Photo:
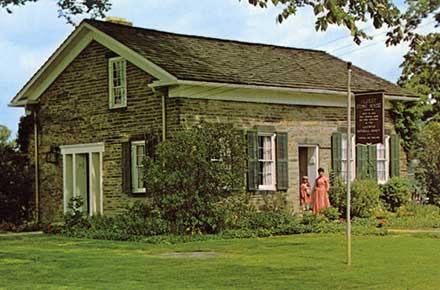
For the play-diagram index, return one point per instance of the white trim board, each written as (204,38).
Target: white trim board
(56,63)
(90,150)
(69,50)
(82,148)
(264,95)
(130,55)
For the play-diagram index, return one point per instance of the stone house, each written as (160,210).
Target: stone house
(95,96)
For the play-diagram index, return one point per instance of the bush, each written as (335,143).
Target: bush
(397,192)
(331,213)
(192,173)
(74,218)
(338,194)
(137,220)
(365,198)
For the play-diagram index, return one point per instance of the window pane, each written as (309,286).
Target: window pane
(140,149)
(381,151)
(267,173)
(140,180)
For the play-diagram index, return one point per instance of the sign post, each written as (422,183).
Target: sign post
(349,165)
(369,115)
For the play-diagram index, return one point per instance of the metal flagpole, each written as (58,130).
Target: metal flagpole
(349,165)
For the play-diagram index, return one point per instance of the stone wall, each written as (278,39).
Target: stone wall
(75,110)
(304,124)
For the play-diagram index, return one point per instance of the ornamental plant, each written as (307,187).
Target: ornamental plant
(397,192)
(365,198)
(192,173)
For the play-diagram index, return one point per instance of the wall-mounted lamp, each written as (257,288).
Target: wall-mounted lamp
(53,154)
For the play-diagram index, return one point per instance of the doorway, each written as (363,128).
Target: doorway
(308,156)
(82,176)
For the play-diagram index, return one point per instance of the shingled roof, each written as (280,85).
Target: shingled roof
(226,61)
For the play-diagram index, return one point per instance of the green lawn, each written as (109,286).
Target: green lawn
(291,262)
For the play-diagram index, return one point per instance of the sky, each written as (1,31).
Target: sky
(32,32)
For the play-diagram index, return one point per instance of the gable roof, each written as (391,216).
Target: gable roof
(171,57)
(217,60)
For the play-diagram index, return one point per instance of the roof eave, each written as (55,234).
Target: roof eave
(158,84)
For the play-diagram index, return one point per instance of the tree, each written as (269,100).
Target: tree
(428,171)
(421,71)
(15,182)
(68,8)
(349,13)
(420,74)
(5,133)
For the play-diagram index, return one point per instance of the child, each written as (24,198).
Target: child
(306,198)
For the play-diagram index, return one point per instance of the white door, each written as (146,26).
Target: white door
(312,163)
(82,175)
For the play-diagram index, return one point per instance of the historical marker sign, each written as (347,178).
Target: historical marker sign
(369,117)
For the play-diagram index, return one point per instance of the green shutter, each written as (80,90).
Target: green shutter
(361,161)
(336,153)
(395,155)
(282,161)
(372,162)
(126,167)
(252,170)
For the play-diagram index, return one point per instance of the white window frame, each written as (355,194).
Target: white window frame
(386,160)
(271,186)
(135,167)
(111,87)
(83,149)
(344,157)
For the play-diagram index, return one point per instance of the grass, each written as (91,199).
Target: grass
(290,262)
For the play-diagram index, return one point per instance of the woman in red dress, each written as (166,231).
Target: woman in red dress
(322,185)
(305,194)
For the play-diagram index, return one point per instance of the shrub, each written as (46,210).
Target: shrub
(365,198)
(331,213)
(397,192)
(74,219)
(192,173)
(137,220)
(338,194)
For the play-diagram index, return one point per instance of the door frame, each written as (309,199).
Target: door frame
(316,146)
(83,149)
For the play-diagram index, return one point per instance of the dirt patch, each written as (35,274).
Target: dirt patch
(189,255)
(414,231)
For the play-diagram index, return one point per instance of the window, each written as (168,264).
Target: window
(344,158)
(266,162)
(137,166)
(368,161)
(117,82)
(383,157)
